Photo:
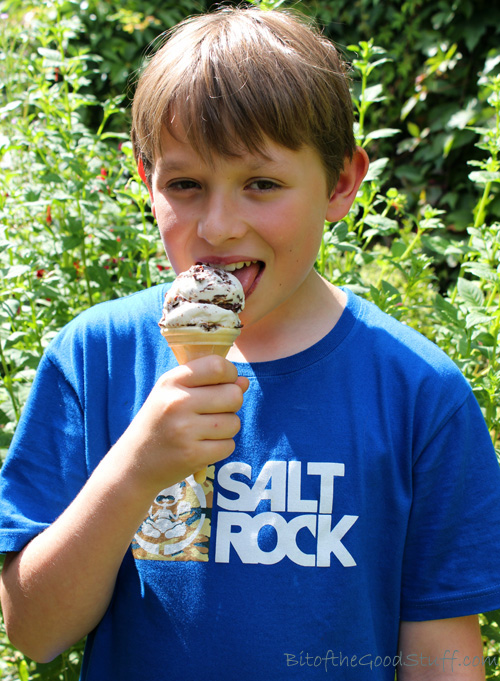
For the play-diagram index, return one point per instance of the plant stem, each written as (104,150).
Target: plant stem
(9,384)
(411,246)
(481,207)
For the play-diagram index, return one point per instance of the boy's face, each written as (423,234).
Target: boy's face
(261,217)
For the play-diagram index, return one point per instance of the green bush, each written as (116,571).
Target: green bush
(76,227)
(437,48)
(422,241)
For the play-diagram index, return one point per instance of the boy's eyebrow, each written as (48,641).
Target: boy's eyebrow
(177,165)
(170,166)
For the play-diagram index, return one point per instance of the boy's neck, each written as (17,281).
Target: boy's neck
(317,308)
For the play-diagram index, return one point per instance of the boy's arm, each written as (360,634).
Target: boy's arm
(441,650)
(58,587)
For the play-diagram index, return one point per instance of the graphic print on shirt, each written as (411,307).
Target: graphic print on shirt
(263,522)
(308,531)
(178,523)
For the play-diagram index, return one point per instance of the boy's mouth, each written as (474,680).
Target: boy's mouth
(248,272)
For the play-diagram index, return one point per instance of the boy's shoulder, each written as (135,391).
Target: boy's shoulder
(406,375)
(135,307)
(396,336)
(128,320)
(402,351)
(120,314)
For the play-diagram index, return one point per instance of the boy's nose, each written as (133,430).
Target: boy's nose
(220,221)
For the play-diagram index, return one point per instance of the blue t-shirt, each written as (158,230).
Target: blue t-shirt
(363,489)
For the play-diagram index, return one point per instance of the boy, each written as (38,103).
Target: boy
(342,528)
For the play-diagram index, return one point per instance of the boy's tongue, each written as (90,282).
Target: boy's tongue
(247,275)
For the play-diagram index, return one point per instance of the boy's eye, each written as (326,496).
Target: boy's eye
(182,185)
(263,185)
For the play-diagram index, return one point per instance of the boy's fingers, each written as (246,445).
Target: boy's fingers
(219,399)
(210,370)
(218,427)
(216,450)
(243,382)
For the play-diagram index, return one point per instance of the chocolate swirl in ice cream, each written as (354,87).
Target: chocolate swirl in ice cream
(205,297)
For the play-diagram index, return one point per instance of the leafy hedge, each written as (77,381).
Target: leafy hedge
(437,50)
(422,241)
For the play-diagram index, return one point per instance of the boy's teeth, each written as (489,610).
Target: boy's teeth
(235,265)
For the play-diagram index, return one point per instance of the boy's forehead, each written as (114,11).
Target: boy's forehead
(176,152)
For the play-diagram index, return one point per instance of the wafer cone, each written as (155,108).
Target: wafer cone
(188,342)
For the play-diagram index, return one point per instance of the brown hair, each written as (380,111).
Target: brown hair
(238,75)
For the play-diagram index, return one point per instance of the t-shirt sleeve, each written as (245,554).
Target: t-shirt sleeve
(450,565)
(46,465)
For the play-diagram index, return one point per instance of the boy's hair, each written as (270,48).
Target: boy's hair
(233,77)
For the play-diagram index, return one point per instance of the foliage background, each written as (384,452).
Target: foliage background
(422,241)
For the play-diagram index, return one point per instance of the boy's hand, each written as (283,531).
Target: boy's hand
(188,422)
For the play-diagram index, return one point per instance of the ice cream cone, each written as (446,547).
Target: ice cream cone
(187,343)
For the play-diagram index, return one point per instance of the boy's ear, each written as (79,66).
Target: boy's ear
(142,175)
(342,197)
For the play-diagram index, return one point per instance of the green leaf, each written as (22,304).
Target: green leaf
(11,106)
(446,311)
(376,169)
(398,248)
(436,243)
(22,668)
(492,632)
(10,305)
(484,176)
(46,52)
(343,246)
(383,132)
(72,241)
(460,119)
(491,63)
(52,177)
(390,290)
(115,135)
(486,338)
(409,106)
(470,293)
(17,271)
(373,93)
(53,57)
(413,129)
(99,275)
(477,318)
(382,224)
(378,62)
(15,337)
(482,271)
(339,232)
